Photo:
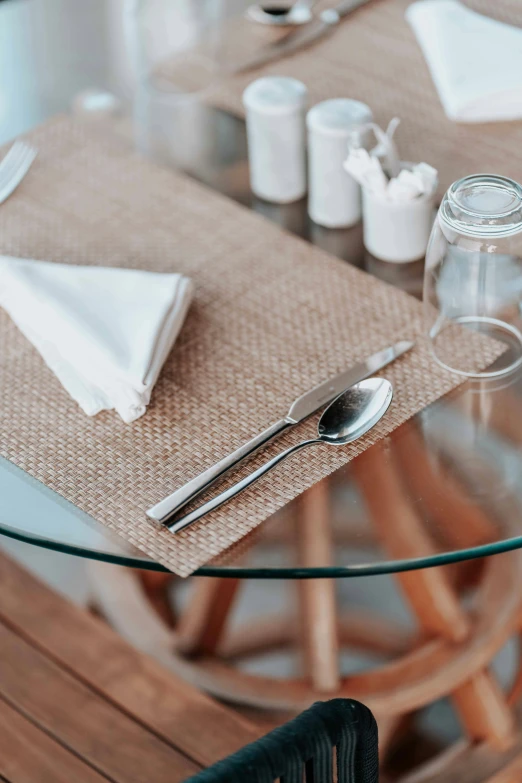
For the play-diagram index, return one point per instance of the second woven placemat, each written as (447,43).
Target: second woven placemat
(272,317)
(373,56)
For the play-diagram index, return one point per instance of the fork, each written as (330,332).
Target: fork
(14,167)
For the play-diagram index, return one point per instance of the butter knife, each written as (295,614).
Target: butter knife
(300,409)
(305,36)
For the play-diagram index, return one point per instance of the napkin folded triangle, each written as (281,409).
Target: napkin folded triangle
(475,61)
(104,332)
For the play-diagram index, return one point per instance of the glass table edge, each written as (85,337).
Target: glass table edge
(322,572)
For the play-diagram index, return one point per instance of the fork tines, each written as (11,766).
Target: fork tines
(14,167)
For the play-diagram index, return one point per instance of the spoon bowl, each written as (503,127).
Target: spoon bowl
(355,411)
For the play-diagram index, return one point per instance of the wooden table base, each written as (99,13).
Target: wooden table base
(449,655)
(391,691)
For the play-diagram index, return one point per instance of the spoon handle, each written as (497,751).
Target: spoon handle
(234,490)
(172,504)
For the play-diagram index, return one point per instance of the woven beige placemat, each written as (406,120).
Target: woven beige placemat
(373,56)
(272,316)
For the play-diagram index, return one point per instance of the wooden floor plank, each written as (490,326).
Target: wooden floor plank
(28,755)
(81,720)
(200,727)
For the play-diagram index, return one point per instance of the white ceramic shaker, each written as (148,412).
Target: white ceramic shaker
(334,199)
(275,118)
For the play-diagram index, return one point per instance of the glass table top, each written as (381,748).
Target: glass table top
(445,487)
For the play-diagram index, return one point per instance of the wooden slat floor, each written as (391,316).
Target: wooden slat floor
(79,705)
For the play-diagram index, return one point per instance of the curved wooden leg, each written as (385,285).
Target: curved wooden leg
(444,498)
(494,720)
(356,630)
(500,412)
(429,591)
(318,609)
(156,586)
(202,623)
(441,493)
(483,709)
(515,694)
(511,774)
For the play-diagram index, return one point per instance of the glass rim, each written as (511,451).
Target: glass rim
(486,373)
(166,91)
(462,217)
(276,572)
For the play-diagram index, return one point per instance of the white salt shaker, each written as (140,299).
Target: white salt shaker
(275,118)
(397,231)
(334,199)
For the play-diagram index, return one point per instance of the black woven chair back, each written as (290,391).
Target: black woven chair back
(303,750)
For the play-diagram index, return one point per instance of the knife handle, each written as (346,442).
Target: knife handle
(170,505)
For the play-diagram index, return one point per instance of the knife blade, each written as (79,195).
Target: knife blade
(300,409)
(303,37)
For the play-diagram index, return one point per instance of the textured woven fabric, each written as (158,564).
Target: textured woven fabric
(304,746)
(373,56)
(272,316)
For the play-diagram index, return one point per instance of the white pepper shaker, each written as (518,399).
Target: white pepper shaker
(275,118)
(334,199)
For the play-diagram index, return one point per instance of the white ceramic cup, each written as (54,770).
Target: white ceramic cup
(397,231)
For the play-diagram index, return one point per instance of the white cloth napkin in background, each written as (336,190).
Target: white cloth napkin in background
(105,333)
(475,61)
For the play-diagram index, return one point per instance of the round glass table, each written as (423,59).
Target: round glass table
(444,489)
(448,482)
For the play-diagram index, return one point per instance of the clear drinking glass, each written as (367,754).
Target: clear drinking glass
(473,276)
(181,50)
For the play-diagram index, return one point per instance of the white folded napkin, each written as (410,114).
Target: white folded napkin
(104,332)
(475,61)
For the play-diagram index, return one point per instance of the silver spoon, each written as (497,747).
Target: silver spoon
(281,15)
(347,418)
